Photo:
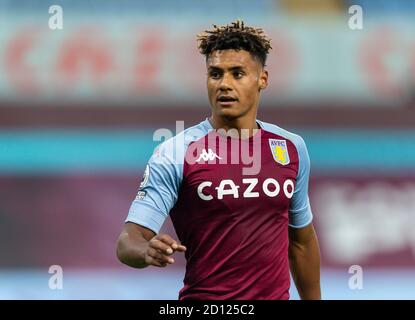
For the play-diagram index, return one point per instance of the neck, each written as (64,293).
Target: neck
(245,126)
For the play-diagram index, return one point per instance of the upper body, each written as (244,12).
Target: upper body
(237,197)
(234,226)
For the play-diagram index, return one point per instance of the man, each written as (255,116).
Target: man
(241,231)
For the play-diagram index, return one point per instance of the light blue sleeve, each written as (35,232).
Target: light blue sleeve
(158,190)
(300,214)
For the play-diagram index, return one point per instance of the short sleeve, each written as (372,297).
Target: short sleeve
(158,190)
(300,214)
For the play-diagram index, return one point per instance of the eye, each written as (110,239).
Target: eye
(214,74)
(238,74)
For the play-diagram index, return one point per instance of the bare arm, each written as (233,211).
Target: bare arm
(139,247)
(304,256)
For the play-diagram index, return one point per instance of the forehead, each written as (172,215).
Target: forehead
(231,58)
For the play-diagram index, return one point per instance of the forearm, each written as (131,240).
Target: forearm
(131,250)
(305,268)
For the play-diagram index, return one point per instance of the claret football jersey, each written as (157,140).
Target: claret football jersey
(231,202)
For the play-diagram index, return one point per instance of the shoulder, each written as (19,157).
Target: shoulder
(175,147)
(296,139)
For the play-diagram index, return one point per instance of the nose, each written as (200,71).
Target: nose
(226,83)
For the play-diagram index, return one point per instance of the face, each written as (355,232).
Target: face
(234,81)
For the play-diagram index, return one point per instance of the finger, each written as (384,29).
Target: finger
(154,262)
(159,245)
(167,240)
(181,248)
(176,245)
(159,256)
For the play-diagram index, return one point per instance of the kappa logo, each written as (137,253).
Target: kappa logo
(208,155)
(279,151)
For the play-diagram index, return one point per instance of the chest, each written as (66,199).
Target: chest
(258,177)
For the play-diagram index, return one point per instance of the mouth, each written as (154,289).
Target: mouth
(226,100)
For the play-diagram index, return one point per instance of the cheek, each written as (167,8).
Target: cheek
(249,93)
(210,89)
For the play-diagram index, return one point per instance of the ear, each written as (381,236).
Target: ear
(263,79)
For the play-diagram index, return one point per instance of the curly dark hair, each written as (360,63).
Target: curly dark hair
(235,36)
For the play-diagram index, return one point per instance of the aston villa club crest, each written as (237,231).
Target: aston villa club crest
(279,151)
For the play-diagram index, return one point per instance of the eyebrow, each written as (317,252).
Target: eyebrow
(221,69)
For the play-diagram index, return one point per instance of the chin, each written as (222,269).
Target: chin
(230,114)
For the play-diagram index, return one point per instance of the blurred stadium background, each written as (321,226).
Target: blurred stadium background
(79,106)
